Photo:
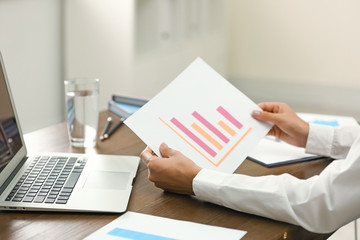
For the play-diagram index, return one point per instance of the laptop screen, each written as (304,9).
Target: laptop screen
(10,140)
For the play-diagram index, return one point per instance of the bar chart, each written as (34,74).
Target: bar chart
(204,117)
(214,139)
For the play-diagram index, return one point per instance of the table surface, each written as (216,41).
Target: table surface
(145,197)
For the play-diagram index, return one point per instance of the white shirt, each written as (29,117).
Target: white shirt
(322,203)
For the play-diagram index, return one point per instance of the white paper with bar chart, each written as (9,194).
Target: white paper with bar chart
(203,116)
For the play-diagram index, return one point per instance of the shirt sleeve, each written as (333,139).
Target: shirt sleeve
(330,141)
(321,203)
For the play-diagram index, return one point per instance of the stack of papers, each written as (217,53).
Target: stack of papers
(124,106)
(271,152)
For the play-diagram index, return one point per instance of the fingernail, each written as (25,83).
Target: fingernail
(256,113)
(164,145)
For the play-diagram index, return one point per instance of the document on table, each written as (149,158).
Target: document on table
(272,152)
(137,226)
(203,116)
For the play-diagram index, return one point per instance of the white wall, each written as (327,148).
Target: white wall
(137,47)
(169,35)
(99,43)
(30,42)
(304,52)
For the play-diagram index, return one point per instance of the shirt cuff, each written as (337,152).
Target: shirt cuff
(320,140)
(206,185)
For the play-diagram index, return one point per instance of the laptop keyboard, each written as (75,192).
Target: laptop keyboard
(48,180)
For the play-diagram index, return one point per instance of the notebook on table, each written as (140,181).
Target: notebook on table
(57,181)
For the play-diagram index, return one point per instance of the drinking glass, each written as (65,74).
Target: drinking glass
(82,110)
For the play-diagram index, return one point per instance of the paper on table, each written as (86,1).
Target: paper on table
(138,226)
(272,152)
(203,116)
(330,120)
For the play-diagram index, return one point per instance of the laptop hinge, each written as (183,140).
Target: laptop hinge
(12,175)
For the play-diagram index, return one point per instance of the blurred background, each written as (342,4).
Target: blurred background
(303,52)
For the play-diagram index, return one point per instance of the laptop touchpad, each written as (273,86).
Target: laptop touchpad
(107,180)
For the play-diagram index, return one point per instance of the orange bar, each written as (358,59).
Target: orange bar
(186,141)
(222,159)
(207,136)
(227,128)
(233,147)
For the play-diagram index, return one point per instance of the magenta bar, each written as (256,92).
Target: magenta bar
(193,137)
(229,117)
(210,127)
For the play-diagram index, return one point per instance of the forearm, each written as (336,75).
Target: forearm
(319,204)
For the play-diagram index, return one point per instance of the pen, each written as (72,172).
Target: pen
(108,134)
(106,128)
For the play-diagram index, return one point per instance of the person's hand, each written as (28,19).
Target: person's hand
(287,125)
(173,172)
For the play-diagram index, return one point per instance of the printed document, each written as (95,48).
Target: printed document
(138,226)
(203,116)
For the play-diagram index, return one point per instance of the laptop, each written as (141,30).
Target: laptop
(57,181)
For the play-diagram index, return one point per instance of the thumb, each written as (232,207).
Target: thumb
(265,116)
(166,151)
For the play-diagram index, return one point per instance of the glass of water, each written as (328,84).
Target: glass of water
(82,110)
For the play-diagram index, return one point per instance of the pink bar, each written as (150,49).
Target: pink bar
(229,117)
(210,127)
(193,137)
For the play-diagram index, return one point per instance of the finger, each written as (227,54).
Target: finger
(166,151)
(273,107)
(146,155)
(265,116)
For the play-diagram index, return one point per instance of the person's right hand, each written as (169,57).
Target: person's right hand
(172,172)
(287,127)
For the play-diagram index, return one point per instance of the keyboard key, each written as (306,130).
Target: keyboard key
(72,180)
(39,199)
(11,195)
(53,196)
(45,190)
(61,201)
(33,194)
(50,200)
(63,198)
(67,194)
(24,189)
(67,190)
(28,199)
(54,193)
(19,195)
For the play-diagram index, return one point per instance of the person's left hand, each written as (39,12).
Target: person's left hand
(173,172)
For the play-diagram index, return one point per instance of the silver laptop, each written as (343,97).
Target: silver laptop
(57,181)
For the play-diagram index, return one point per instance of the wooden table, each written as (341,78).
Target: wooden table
(146,198)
